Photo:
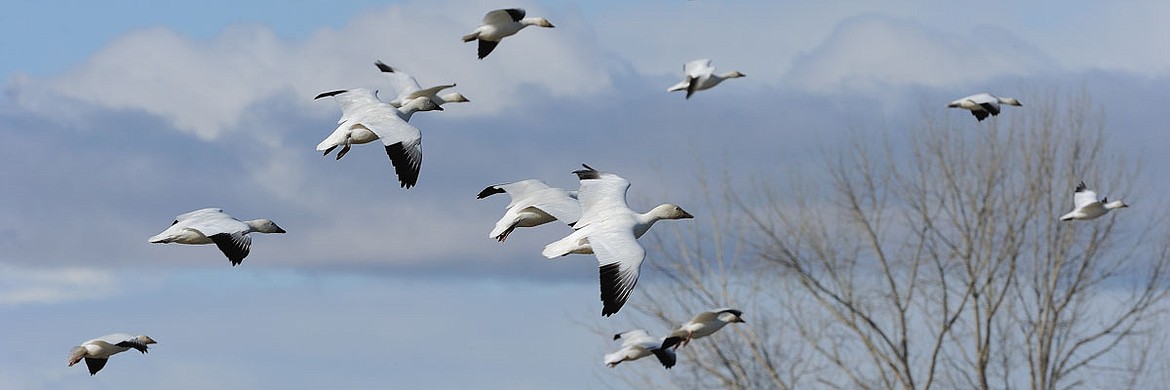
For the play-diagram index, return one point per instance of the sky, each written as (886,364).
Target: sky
(116,116)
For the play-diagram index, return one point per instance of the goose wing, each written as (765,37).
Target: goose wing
(502,16)
(619,257)
(601,195)
(403,144)
(698,68)
(1083,197)
(404,84)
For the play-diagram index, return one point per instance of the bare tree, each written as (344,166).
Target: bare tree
(933,261)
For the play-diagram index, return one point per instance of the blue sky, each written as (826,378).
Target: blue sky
(117,116)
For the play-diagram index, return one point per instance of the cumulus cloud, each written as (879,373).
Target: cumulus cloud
(207,87)
(868,53)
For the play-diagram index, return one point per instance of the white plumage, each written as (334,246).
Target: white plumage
(700,75)
(97,351)
(409,89)
(983,104)
(364,119)
(213,226)
(533,203)
(702,325)
(499,24)
(1086,206)
(637,344)
(609,229)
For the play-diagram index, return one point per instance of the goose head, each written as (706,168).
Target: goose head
(1117,204)
(733,75)
(146,340)
(455,97)
(264,226)
(732,316)
(670,211)
(542,22)
(1010,102)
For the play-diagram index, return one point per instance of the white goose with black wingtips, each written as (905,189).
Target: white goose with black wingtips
(499,24)
(637,344)
(700,75)
(702,325)
(1086,206)
(409,89)
(96,352)
(610,230)
(364,119)
(534,203)
(983,104)
(213,226)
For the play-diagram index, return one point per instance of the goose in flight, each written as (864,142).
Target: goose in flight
(983,104)
(364,119)
(534,203)
(637,344)
(700,75)
(610,230)
(97,351)
(499,24)
(704,324)
(1086,206)
(213,226)
(409,89)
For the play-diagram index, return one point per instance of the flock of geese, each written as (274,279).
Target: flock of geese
(602,223)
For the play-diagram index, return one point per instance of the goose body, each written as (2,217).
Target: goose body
(1086,206)
(983,104)
(364,119)
(637,344)
(534,203)
(699,75)
(610,230)
(213,226)
(499,24)
(702,325)
(96,352)
(409,89)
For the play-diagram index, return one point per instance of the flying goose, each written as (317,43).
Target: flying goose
(499,24)
(983,104)
(609,229)
(364,119)
(409,89)
(637,344)
(1086,206)
(704,324)
(533,203)
(212,225)
(700,75)
(97,351)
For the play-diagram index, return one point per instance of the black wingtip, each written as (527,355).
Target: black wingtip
(613,297)
(330,93)
(1081,187)
(383,67)
(665,357)
(671,341)
(587,173)
(489,191)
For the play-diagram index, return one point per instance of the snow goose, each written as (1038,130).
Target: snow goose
(700,75)
(983,104)
(610,230)
(409,89)
(1086,206)
(637,344)
(212,225)
(499,24)
(534,203)
(97,351)
(704,324)
(364,119)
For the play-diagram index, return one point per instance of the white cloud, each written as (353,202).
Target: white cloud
(28,285)
(868,53)
(207,87)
